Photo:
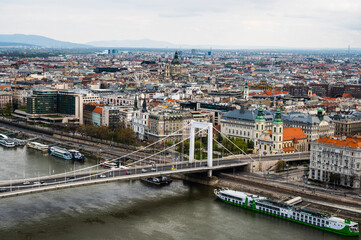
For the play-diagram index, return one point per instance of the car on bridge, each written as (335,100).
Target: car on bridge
(26,183)
(3,190)
(173,169)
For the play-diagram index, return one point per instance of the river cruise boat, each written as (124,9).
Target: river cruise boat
(60,152)
(282,210)
(38,146)
(77,155)
(7,143)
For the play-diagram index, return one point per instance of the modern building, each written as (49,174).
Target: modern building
(336,160)
(43,101)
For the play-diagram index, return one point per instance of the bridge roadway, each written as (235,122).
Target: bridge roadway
(61,181)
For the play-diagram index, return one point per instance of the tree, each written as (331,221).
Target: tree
(8,109)
(280,165)
(250,144)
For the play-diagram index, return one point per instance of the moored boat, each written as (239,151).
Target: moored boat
(157,180)
(38,146)
(7,143)
(60,152)
(77,155)
(288,212)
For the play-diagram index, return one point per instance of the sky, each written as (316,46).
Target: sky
(241,23)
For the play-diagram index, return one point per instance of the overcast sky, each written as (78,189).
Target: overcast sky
(252,23)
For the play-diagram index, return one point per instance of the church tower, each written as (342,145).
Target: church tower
(277,132)
(246,91)
(260,127)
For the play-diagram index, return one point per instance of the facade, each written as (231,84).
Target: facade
(314,127)
(140,121)
(337,160)
(164,124)
(277,140)
(5,98)
(348,125)
(42,101)
(242,123)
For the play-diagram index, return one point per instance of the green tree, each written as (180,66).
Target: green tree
(250,144)
(8,109)
(280,165)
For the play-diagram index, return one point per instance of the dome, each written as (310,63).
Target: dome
(176,59)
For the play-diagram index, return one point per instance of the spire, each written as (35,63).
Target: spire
(135,103)
(260,116)
(246,85)
(278,118)
(144,106)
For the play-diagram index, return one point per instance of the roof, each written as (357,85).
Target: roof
(289,149)
(293,133)
(247,115)
(98,110)
(342,141)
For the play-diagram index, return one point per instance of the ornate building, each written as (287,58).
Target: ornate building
(170,70)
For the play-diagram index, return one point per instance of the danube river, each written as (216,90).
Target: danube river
(128,210)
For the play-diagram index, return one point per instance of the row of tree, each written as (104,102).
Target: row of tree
(120,135)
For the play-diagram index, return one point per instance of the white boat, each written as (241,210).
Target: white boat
(109,164)
(7,143)
(60,152)
(288,212)
(38,146)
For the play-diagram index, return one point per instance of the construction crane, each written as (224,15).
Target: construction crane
(15,102)
(43,67)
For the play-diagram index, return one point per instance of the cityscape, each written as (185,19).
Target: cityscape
(181,133)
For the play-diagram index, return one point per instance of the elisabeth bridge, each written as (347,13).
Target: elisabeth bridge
(145,166)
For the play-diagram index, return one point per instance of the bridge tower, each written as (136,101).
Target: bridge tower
(209,128)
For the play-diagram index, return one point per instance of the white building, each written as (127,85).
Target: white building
(336,160)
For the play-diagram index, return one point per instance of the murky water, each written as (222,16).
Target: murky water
(129,210)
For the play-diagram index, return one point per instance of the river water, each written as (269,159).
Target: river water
(128,210)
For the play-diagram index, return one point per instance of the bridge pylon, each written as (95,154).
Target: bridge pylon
(209,127)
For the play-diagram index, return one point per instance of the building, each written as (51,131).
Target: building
(140,121)
(348,125)
(277,140)
(163,124)
(336,159)
(170,70)
(242,123)
(5,98)
(43,101)
(313,126)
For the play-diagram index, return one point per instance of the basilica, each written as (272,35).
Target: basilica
(170,71)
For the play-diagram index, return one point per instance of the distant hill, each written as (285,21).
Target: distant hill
(14,44)
(142,43)
(38,41)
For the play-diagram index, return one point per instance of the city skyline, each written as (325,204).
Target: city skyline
(247,24)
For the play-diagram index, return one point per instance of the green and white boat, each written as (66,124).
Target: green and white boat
(282,210)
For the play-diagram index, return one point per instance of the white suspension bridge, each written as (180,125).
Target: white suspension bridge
(145,167)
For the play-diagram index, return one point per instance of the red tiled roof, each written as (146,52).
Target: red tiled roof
(293,133)
(352,142)
(98,110)
(289,149)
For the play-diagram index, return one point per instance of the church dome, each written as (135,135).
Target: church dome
(176,59)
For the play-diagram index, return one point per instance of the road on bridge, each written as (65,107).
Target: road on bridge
(53,182)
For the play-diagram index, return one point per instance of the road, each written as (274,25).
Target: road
(11,188)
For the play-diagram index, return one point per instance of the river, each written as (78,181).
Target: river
(128,210)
